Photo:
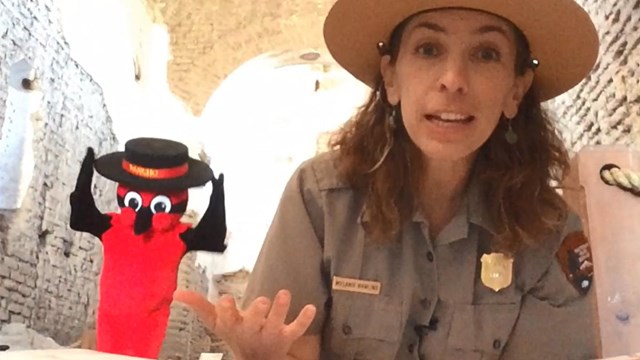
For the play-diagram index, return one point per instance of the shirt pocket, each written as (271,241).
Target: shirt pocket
(480,332)
(376,317)
(370,329)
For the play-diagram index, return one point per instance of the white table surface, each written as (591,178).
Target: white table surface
(77,354)
(62,354)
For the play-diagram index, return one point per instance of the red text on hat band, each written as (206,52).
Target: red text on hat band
(151,173)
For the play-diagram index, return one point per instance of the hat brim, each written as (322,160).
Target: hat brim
(110,166)
(561,35)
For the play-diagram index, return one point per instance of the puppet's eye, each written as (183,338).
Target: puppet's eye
(160,204)
(133,200)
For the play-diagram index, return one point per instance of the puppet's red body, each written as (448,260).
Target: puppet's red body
(138,279)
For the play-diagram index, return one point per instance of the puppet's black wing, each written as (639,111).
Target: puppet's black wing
(211,231)
(85,216)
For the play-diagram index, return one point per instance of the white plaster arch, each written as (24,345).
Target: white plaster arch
(260,124)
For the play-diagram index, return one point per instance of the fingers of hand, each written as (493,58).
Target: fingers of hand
(298,326)
(255,315)
(279,309)
(259,308)
(228,316)
(205,310)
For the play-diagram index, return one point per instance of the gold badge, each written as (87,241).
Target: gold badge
(496,273)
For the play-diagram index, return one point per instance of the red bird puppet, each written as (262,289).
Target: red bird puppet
(144,243)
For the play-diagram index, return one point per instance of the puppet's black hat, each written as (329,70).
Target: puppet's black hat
(154,164)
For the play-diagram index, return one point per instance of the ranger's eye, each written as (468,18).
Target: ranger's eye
(133,200)
(160,204)
(429,50)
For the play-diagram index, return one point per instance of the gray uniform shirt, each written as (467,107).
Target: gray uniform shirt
(431,302)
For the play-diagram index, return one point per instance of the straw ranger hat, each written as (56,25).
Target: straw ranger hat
(561,35)
(154,164)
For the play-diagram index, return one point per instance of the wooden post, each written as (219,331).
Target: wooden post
(611,217)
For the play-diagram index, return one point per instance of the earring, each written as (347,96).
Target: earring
(383,49)
(510,135)
(534,63)
(390,128)
(391,118)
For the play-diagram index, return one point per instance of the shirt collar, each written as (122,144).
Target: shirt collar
(473,210)
(478,209)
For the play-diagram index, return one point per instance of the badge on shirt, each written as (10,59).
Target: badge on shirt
(574,256)
(496,271)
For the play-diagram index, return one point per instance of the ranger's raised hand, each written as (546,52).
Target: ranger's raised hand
(258,332)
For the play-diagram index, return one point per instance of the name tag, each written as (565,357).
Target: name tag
(356,285)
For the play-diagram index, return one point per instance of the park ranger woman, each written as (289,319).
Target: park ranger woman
(432,230)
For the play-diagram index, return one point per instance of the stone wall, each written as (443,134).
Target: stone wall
(605,108)
(48,272)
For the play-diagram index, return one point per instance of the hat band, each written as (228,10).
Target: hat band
(151,173)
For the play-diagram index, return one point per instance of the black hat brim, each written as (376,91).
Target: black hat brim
(110,166)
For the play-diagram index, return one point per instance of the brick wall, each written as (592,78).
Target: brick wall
(605,108)
(47,272)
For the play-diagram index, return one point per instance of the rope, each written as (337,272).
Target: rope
(625,179)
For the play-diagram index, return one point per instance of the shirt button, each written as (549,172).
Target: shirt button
(430,256)
(411,348)
(328,304)
(421,330)
(346,329)
(497,344)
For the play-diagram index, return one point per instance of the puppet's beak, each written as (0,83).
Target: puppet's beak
(143,221)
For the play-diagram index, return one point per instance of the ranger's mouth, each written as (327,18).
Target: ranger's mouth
(450,118)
